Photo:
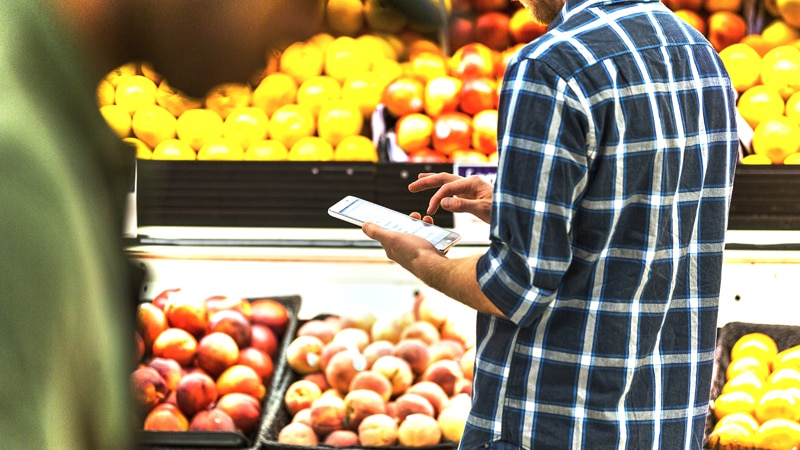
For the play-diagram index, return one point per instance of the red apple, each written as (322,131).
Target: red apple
(212,420)
(478,94)
(264,339)
(169,369)
(473,60)
(233,323)
(271,313)
(243,379)
(245,410)
(222,302)
(177,344)
(404,95)
(427,155)
(725,28)
(148,388)
(492,30)
(165,417)
(452,131)
(216,352)
(188,313)
(195,392)
(259,361)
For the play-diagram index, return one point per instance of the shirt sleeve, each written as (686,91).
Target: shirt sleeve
(544,133)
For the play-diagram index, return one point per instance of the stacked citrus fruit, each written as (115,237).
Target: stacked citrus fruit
(759,404)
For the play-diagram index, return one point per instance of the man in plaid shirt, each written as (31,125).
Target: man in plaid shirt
(597,298)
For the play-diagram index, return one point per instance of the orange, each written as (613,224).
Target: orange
(780,69)
(266,150)
(784,378)
(731,435)
(174,149)
(275,90)
(778,434)
(311,148)
(756,344)
(337,120)
(745,382)
(142,150)
(743,419)
(245,125)
(198,126)
(344,58)
(747,364)
(758,43)
(221,149)
(291,122)
(356,148)
(134,91)
(776,404)
(743,65)
(302,60)
(316,91)
(776,138)
(733,402)
(153,124)
(760,102)
(756,160)
(118,118)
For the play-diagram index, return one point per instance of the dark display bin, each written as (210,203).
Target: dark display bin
(197,440)
(785,336)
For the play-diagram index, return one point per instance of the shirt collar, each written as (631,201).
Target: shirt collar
(571,7)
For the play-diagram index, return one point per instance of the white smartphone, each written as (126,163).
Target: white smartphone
(357,211)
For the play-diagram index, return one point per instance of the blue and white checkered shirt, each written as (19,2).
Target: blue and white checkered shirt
(618,146)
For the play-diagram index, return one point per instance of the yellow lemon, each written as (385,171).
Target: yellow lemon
(747,364)
(745,382)
(221,149)
(174,149)
(118,118)
(356,148)
(756,160)
(105,93)
(776,138)
(119,72)
(743,419)
(792,110)
(776,404)
(175,101)
(134,91)
(344,58)
(784,378)
(757,344)
(778,32)
(266,150)
(777,434)
(743,65)
(377,46)
(789,357)
(275,90)
(318,90)
(321,40)
(226,97)
(731,435)
(792,159)
(734,402)
(291,122)
(311,148)
(758,43)
(302,60)
(339,119)
(364,91)
(758,103)
(245,125)
(198,126)
(344,17)
(153,124)
(142,150)
(780,70)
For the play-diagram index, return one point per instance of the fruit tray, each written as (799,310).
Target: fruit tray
(197,440)
(785,336)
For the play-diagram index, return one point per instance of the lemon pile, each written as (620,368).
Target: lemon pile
(759,404)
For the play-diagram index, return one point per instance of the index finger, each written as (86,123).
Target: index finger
(427,181)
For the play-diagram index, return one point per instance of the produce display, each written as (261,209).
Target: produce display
(206,363)
(387,382)
(757,405)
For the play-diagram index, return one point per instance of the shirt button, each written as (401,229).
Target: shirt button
(485,445)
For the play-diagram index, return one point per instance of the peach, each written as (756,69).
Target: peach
(212,420)
(463,386)
(430,309)
(414,130)
(139,346)
(341,438)
(378,430)
(319,379)
(169,369)
(362,320)
(386,329)
(467,363)
(404,95)
(216,352)
(376,349)
(445,373)
(177,344)
(259,361)
(461,400)
(300,395)
(271,313)
(195,392)
(396,370)
(359,404)
(452,421)
(241,378)
(442,94)
(422,330)
(232,323)
(223,303)
(328,350)
(188,313)
(374,381)
(327,414)
(352,338)
(419,430)
(415,352)
(451,131)
(296,433)
(446,349)
(245,410)
(165,417)
(319,328)
(303,416)
(342,367)
(264,339)
(150,322)
(148,388)
(303,354)
(408,404)
(432,392)
(463,332)
(473,60)
(165,297)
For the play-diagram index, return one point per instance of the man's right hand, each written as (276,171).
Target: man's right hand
(456,194)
